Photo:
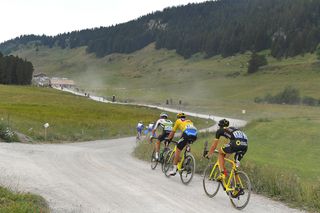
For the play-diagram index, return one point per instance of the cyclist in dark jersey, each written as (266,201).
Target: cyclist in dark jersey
(238,144)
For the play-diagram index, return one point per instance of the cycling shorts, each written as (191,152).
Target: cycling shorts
(187,137)
(164,135)
(235,146)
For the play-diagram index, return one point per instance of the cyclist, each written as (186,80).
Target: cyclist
(166,126)
(238,143)
(139,129)
(189,135)
(150,127)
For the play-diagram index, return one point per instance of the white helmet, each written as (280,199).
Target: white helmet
(163,115)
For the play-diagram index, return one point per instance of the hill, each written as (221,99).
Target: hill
(226,27)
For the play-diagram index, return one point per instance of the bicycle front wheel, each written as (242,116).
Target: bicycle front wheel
(189,167)
(168,163)
(210,184)
(240,196)
(154,161)
(164,155)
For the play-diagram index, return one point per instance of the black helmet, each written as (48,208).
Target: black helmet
(223,123)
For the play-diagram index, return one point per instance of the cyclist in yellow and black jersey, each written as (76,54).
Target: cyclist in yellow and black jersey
(189,135)
(238,144)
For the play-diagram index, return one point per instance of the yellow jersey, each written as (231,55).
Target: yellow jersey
(182,124)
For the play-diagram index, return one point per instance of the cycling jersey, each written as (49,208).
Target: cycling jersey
(140,127)
(183,125)
(232,133)
(165,124)
(189,132)
(238,140)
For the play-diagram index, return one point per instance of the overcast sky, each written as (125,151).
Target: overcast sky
(51,17)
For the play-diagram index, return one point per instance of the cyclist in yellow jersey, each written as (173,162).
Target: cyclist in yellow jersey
(189,135)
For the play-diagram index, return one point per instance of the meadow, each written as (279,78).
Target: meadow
(71,118)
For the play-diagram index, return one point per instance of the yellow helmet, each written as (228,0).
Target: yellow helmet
(181,115)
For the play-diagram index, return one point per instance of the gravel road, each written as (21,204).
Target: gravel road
(103,176)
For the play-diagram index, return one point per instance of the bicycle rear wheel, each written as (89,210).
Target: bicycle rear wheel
(240,196)
(189,166)
(154,161)
(168,163)
(210,184)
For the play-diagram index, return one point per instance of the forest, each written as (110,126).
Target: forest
(227,27)
(14,70)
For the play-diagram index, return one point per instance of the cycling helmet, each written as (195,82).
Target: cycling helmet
(163,115)
(181,115)
(223,123)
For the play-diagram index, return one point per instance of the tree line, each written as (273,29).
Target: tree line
(226,27)
(14,70)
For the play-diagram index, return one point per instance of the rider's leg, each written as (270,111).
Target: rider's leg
(221,161)
(175,161)
(157,148)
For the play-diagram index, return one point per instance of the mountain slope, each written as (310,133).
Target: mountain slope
(227,27)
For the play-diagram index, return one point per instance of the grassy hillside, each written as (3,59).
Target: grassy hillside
(215,85)
(71,118)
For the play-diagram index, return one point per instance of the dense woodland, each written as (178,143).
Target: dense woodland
(227,27)
(14,70)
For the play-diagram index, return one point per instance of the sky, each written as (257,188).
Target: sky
(51,17)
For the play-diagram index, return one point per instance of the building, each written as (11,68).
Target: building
(61,82)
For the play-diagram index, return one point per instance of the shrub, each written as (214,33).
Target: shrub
(7,134)
(255,62)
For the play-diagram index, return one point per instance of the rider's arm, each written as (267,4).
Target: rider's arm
(213,146)
(171,135)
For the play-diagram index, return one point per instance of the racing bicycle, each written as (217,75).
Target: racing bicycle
(186,167)
(162,154)
(237,185)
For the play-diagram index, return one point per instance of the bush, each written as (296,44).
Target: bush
(255,62)
(310,101)
(289,95)
(7,134)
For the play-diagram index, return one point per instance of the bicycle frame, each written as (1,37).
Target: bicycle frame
(186,149)
(232,176)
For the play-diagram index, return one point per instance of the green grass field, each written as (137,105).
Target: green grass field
(71,118)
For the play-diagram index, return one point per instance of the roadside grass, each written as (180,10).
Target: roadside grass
(21,202)
(282,166)
(71,118)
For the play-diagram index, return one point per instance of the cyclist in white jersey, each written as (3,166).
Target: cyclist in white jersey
(166,126)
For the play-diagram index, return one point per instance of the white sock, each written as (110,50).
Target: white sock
(174,168)
(157,154)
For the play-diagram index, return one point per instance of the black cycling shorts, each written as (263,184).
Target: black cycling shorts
(185,139)
(235,146)
(164,135)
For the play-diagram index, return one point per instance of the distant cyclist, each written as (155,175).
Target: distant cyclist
(150,127)
(166,127)
(140,127)
(189,135)
(238,144)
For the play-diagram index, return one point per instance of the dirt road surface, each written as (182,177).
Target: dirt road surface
(103,176)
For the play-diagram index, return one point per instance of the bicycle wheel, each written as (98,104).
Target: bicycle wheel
(154,161)
(189,167)
(240,196)
(164,155)
(210,185)
(168,163)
